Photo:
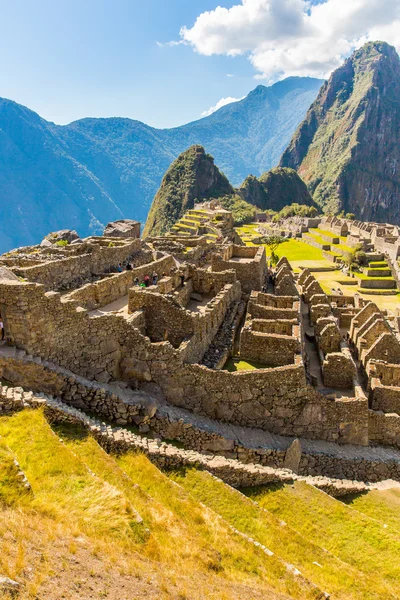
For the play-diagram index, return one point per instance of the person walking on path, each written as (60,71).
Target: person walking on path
(146,280)
(155,278)
(119,268)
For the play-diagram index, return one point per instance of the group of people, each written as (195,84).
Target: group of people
(147,280)
(150,280)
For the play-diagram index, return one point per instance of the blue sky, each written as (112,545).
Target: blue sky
(67,59)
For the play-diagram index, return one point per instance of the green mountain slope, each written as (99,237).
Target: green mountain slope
(347,149)
(89,172)
(191,177)
(275,189)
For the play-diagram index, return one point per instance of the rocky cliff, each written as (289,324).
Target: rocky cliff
(347,149)
(192,177)
(275,189)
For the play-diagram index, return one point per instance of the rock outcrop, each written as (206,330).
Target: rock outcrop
(347,149)
(64,235)
(191,178)
(275,189)
(124,228)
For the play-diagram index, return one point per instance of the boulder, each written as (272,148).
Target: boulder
(293,456)
(9,586)
(64,235)
(7,275)
(125,228)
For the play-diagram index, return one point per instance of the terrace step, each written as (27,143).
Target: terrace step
(118,440)
(315,562)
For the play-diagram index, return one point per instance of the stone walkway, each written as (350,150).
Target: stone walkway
(120,305)
(248,438)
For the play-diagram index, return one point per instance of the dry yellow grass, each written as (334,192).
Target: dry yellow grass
(78,532)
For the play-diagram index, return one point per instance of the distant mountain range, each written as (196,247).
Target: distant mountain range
(92,171)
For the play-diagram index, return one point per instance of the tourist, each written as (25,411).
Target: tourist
(182,279)
(136,281)
(129,267)
(2,328)
(119,268)
(155,278)
(146,280)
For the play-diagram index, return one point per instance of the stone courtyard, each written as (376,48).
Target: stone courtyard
(141,333)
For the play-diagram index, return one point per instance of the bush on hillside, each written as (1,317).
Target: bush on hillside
(242,211)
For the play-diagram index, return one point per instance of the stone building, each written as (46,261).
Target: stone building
(149,345)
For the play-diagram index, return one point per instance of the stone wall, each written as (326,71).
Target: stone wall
(250,273)
(269,349)
(112,347)
(384,428)
(339,370)
(99,258)
(207,282)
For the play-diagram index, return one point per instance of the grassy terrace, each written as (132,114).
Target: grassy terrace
(352,537)
(301,254)
(322,560)
(78,536)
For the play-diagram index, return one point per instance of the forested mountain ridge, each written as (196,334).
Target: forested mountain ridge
(92,171)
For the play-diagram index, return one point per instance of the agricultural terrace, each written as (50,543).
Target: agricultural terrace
(300,254)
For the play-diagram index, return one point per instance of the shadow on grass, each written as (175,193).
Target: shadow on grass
(70,432)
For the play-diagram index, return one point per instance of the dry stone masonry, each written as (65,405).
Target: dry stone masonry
(140,332)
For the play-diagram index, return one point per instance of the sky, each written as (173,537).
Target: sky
(168,62)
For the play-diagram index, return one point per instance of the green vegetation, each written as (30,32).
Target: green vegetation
(242,211)
(233,364)
(272,242)
(191,178)
(275,190)
(61,243)
(353,538)
(324,568)
(296,210)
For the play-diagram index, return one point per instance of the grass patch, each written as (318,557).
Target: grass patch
(352,537)
(232,365)
(324,569)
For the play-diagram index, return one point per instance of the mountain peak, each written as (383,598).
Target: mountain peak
(192,177)
(347,148)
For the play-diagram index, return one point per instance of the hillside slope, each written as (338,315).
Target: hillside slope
(275,189)
(192,176)
(347,149)
(89,172)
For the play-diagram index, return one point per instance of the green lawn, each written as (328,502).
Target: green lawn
(233,365)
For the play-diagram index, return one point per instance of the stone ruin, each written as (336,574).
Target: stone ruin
(151,346)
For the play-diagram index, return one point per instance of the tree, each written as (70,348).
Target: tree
(355,258)
(272,241)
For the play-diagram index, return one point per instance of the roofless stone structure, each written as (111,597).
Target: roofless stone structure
(147,332)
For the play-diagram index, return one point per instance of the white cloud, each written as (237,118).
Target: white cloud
(230,75)
(294,37)
(220,104)
(170,44)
